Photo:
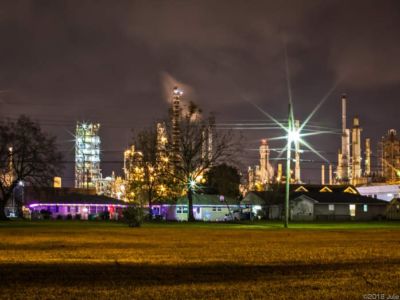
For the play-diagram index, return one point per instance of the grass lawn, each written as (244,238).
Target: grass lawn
(103,260)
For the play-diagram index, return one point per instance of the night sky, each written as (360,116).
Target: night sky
(111,61)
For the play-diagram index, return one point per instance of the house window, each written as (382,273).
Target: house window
(68,208)
(178,210)
(185,209)
(214,209)
(352,210)
(365,207)
(219,209)
(198,210)
(331,207)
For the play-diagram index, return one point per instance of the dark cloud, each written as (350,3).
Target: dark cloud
(62,61)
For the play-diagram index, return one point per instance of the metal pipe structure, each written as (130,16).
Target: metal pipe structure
(330,175)
(322,174)
(279,175)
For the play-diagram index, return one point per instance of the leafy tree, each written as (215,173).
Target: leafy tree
(27,155)
(149,173)
(225,179)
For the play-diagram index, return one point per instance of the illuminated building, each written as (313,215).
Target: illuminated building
(262,175)
(87,155)
(133,160)
(349,168)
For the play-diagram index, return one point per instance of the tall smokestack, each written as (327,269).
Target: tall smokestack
(356,151)
(345,169)
(367,157)
(322,174)
(176,112)
(264,162)
(344,100)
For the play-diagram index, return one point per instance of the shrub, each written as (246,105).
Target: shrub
(133,216)
(46,214)
(69,217)
(105,215)
(59,217)
(35,215)
(260,214)
(78,216)
(158,218)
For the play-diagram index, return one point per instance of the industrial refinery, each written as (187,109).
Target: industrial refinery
(88,173)
(354,163)
(354,159)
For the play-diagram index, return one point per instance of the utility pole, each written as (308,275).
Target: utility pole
(288,158)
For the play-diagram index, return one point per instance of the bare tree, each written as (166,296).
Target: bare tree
(26,155)
(201,146)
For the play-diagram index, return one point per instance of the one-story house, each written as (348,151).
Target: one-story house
(206,207)
(331,206)
(318,202)
(66,203)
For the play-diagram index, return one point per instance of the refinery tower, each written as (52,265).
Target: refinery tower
(87,155)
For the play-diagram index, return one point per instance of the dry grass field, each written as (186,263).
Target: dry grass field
(95,260)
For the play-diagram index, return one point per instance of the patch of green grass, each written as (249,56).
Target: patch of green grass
(108,260)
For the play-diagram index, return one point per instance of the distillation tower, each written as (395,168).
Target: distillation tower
(87,155)
(176,115)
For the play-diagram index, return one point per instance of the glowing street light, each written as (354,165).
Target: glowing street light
(293,136)
(192,183)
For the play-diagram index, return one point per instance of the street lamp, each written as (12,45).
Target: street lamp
(293,137)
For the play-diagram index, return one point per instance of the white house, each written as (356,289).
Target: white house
(205,208)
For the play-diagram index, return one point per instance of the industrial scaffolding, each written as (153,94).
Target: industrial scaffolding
(87,155)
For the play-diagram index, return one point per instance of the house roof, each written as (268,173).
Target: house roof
(333,188)
(339,198)
(394,201)
(337,195)
(74,198)
(263,197)
(207,199)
